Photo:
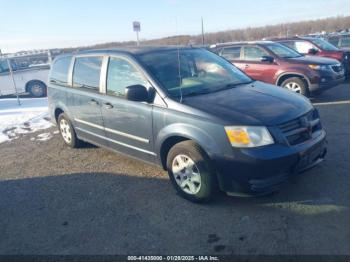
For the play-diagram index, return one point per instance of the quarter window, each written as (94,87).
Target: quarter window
(122,74)
(59,73)
(87,71)
(254,53)
(232,53)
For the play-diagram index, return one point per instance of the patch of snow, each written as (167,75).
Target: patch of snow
(31,116)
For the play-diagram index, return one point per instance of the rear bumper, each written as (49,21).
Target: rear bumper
(259,171)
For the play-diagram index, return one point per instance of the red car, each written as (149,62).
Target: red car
(277,64)
(318,47)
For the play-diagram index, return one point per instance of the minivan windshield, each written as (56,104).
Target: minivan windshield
(324,45)
(282,51)
(188,72)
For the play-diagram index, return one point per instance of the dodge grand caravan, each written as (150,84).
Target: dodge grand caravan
(189,111)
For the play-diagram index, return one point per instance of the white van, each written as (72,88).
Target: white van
(32,80)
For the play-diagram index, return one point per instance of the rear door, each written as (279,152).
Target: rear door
(128,124)
(85,99)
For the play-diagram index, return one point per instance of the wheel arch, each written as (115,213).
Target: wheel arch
(281,78)
(177,133)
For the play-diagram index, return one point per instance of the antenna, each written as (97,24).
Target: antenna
(178,61)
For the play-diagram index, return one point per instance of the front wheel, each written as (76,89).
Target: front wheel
(191,172)
(296,85)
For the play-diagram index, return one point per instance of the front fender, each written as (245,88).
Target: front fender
(200,136)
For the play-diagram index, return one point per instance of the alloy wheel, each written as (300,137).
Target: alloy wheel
(65,131)
(186,174)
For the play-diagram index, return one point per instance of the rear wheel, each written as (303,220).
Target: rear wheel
(67,131)
(191,172)
(296,85)
(37,89)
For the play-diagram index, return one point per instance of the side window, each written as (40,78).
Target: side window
(4,68)
(59,71)
(87,71)
(122,74)
(303,47)
(232,53)
(253,53)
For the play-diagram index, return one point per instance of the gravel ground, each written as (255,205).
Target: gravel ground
(57,200)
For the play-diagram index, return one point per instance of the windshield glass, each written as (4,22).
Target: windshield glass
(189,72)
(282,51)
(324,45)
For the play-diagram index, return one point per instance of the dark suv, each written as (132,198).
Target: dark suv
(279,65)
(317,46)
(189,111)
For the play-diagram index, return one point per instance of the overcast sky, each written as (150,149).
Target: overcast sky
(36,24)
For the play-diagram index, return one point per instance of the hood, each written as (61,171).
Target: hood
(252,104)
(316,60)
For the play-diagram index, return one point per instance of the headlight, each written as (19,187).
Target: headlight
(319,67)
(248,136)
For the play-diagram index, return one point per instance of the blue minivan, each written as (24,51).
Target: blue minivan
(190,111)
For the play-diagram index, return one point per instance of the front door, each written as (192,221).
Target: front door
(128,124)
(85,99)
(254,67)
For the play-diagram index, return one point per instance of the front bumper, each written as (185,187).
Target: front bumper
(325,82)
(259,171)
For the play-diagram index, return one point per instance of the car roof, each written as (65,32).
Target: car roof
(135,50)
(260,42)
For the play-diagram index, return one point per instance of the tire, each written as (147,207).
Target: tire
(296,85)
(67,132)
(197,175)
(37,89)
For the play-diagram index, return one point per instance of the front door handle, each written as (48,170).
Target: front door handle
(246,66)
(93,102)
(108,105)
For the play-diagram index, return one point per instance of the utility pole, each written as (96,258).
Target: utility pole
(13,80)
(202,31)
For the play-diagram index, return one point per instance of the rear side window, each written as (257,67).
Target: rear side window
(231,53)
(59,71)
(87,71)
(122,74)
(254,53)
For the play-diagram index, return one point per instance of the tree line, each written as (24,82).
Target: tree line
(247,34)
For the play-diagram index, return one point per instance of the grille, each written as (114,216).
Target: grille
(301,129)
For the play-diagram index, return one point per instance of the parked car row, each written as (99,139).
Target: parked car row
(277,64)
(304,65)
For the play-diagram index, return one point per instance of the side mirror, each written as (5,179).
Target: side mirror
(268,59)
(312,51)
(137,93)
